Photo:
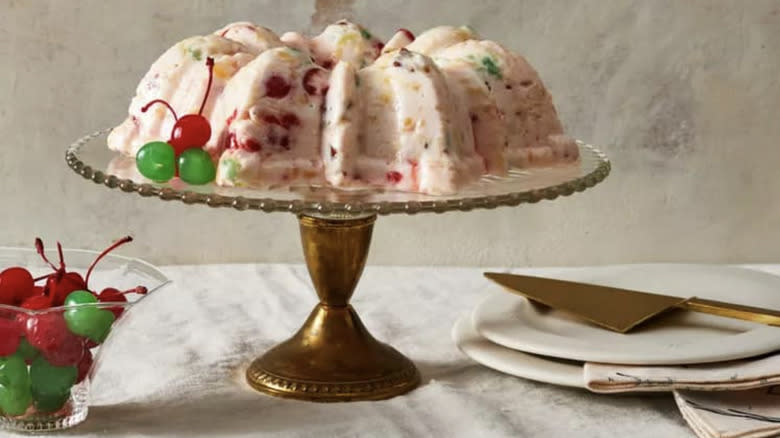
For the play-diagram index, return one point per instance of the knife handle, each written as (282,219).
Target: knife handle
(729,310)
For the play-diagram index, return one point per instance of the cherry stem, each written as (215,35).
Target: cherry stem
(114,246)
(210,64)
(160,101)
(39,249)
(62,259)
(35,280)
(140,290)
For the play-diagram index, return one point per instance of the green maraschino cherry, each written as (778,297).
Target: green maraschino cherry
(50,385)
(157,161)
(196,167)
(15,393)
(45,402)
(88,321)
(14,400)
(13,371)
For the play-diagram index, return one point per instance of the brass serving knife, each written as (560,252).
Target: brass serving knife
(620,310)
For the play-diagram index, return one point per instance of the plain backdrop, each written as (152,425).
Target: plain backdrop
(684,96)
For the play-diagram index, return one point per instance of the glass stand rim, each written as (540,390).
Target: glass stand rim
(90,158)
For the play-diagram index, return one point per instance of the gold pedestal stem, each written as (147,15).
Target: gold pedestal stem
(335,252)
(333,357)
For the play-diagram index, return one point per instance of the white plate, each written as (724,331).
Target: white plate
(514,362)
(680,338)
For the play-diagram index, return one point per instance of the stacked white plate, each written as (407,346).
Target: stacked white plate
(510,334)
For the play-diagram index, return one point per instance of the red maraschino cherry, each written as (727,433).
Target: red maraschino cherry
(191,131)
(70,351)
(16,285)
(47,331)
(37,293)
(37,302)
(10,336)
(113,295)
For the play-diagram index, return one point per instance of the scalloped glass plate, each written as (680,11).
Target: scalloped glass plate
(90,158)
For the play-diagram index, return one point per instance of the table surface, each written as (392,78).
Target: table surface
(175,368)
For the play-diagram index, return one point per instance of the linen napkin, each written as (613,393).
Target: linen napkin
(736,399)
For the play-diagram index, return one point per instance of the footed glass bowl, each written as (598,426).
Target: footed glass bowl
(48,357)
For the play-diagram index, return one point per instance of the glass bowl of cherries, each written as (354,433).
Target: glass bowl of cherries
(57,308)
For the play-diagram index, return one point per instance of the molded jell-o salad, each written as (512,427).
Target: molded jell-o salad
(49,328)
(428,114)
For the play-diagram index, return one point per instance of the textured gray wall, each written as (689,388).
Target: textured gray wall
(683,95)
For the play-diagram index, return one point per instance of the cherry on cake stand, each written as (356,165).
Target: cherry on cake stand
(333,357)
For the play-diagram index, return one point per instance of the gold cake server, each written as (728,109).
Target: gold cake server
(620,310)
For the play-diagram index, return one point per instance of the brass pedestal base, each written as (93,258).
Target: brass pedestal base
(333,357)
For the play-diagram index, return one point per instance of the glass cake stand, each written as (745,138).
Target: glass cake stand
(333,357)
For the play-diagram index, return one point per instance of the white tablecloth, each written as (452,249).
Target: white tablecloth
(175,367)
